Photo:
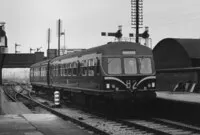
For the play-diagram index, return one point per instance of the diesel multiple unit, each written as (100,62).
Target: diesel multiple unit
(116,71)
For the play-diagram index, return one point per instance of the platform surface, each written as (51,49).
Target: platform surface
(37,124)
(15,108)
(187,97)
(8,107)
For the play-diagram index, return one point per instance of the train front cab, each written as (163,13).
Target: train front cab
(129,76)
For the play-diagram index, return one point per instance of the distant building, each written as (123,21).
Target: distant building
(51,53)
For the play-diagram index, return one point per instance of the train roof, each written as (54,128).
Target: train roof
(112,48)
(107,49)
(45,62)
(176,53)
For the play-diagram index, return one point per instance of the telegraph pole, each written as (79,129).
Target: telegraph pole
(137,16)
(59,29)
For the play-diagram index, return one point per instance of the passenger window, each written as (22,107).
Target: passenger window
(66,71)
(62,70)
(74,68)
(91,67)
(84,65)
(69,69)
(78,68)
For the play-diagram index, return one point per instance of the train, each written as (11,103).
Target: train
(115,72)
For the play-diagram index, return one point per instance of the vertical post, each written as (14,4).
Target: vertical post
(137,21)
(0,75)
(48,40)
(59,37)
(15,48)
(64,40)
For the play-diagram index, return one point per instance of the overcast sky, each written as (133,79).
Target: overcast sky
(27,21)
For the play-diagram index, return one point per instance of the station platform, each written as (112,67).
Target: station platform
(186,97)
(38,124)
(8,107)
(17,119)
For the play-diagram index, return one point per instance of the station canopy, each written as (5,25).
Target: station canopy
(177,53)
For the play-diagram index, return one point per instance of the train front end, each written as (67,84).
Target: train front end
(130,76)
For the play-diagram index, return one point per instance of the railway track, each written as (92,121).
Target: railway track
(10,93)
(107,126)
(163,126)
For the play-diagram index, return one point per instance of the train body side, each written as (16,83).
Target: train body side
(115,70)
(39,74)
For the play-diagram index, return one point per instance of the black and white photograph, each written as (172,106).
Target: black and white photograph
(99,67)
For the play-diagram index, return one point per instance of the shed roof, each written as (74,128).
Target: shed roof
(176,53)
(191,46)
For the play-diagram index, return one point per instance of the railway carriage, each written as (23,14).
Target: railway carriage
(39,74)
(117,71)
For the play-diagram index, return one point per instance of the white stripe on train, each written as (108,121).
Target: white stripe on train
(119,80)
(146,78)
(116,79)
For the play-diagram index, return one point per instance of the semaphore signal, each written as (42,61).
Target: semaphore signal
(117,34)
